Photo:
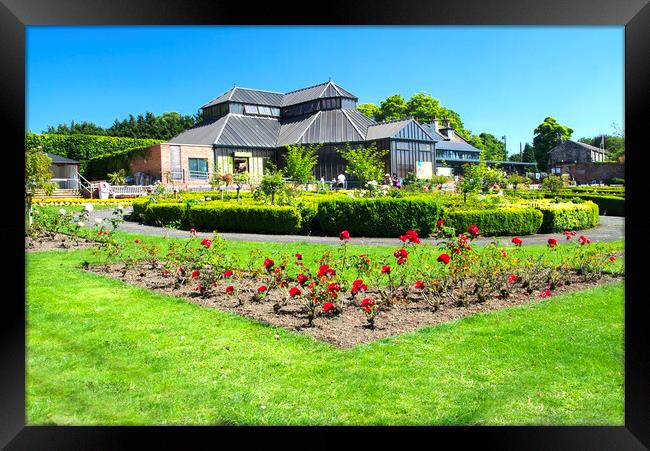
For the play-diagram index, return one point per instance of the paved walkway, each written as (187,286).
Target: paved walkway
(610,228)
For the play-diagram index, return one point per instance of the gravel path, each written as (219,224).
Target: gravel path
(610,228)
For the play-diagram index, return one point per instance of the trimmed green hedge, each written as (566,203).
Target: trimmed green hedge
(83,147)
(608,205)
(567,216)
(164,213)
(378,217)
(496,221)
(247,219)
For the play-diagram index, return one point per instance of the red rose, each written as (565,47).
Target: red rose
(261,289)
(385,269)
(367,302)
(419,285)
(440,223)
(504,253)
(552,242)
(334,287)
(277,270)
(473,230)
(517,241)
(512,278)
(193,231)
(136,241)
(227,273)
(165,272)
(323,270)
(206,242)
(584,240)
(298,257)
(411,236)
(568,237)
(401,253)
(401,260)
(268,264)
(357,286)
(366,309)
(301,278)
(311,285)
(195,274)
(344,235)
(444,258)
(294,291)
(230,289)
(545,293)
(612,258)
(328,306)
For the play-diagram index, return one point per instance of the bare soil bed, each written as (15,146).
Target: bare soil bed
(56,242)
(343,330)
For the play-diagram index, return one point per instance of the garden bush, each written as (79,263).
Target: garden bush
(608,205)
(566,216)
(166,213)
(380,216)
(223,217)
(496,221)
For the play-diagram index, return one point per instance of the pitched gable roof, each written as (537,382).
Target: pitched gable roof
(399,128)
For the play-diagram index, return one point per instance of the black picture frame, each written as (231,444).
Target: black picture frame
(15,15)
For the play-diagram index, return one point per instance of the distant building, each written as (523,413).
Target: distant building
(582,162)
(244,129)
(65,172)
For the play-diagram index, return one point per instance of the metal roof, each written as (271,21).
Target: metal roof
(249,131)
(390,129)
(456,145)
(327,89)
(58,159)
(246,95)
(578,143)
(292,129)
(331,126)
(202,134)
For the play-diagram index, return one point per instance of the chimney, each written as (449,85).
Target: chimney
(445,122)
(434,123)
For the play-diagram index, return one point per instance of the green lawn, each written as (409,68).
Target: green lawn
(103,352)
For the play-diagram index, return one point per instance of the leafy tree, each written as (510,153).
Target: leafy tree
(300,162)
(365,163)
(81,128)
(528,154)
(37,176)
(394,107)
(547,135)
(369,109)
(470,181)
(553,183)
(272,183)
(423,106)
(493,148)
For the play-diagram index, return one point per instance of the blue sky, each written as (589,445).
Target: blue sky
(501,80)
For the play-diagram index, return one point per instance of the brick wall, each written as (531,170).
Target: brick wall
(586,172)
(157,162)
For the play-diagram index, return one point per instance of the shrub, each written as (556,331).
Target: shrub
(608,205)
(165,213)
(379,216)
(244,218)
(567,216)
(617,181)
(496,221)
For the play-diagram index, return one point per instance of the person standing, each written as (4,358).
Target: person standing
(341,180)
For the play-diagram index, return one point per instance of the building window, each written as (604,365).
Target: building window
(250,109)
(198,168)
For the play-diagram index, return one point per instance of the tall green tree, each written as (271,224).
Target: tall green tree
(492,147)
(394,107)
(300,162)
(528,154)
(369,109)
(547,135)
(37,176)
(365,163)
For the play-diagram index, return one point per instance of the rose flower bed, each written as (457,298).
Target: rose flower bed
(347,298)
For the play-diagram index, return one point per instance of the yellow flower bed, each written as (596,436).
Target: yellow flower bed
(78,201)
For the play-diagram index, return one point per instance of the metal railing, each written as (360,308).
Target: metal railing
(199,175)
(130,190)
